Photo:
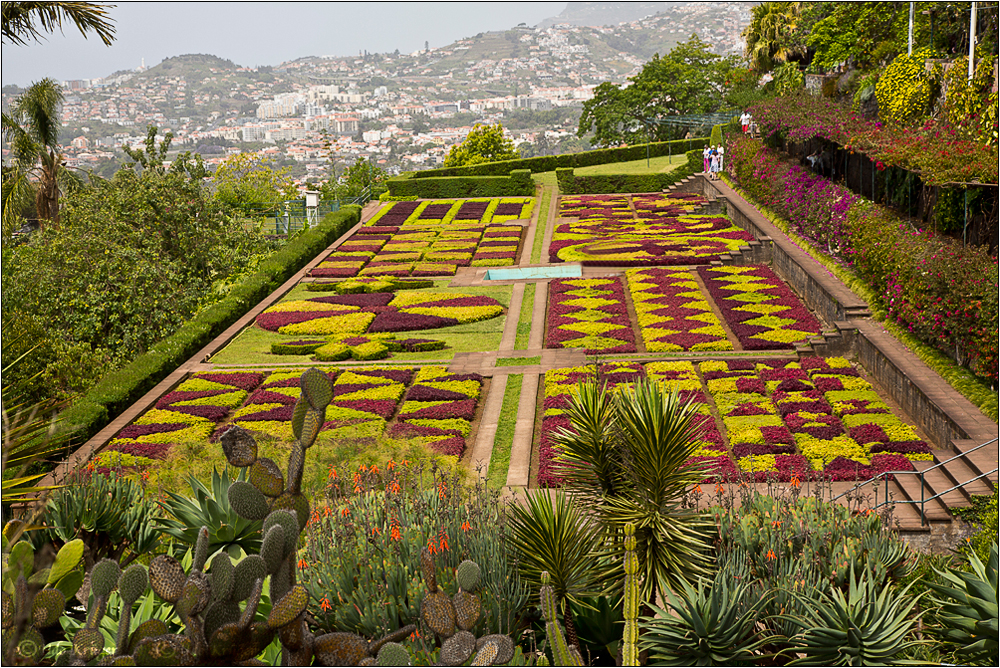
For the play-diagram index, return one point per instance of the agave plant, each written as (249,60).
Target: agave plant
(713,624)
(211,508)
(870,625)
(969,610)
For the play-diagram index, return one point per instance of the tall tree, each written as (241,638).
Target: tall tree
(31,129)
(248,180)
(688,80)
(769,36)
(27,21)
(485,143)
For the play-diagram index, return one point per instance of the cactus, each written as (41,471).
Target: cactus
(457,649)
(630,636)
(266,477)
(562,654)
(468,575)
(504,648)
(392,654)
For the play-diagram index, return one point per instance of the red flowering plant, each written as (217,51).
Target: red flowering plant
(363,565)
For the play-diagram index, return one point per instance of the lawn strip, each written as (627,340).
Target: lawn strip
(504,438)
(524,321)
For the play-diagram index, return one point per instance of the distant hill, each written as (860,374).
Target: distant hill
(190,64)
(607,13)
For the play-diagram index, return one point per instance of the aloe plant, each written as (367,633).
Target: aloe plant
(713,624)
(869,625)
(968,610)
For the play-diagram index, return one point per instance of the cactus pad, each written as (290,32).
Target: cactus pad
(253,641)
(248,501)
(223,640)
(220,575)
(316,389)
(289,522)
(219,613)
(312,421)
(167,578)
(267,477)
(30,647)
(272,549)
(340,649)
(104,577)
(239,446)
(427,570)
(133,583)
(289,607)
(88,643)
(298,504)
(196,595)
(505,647)
(248,571)
(148,629)
(468,575)
(468,607)
(457,649)
(6,610)
(292,635)
(438,613)
(47,608)
(165,650)
(486,655)
(392,654)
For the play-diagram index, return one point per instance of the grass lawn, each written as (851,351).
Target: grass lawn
(551,189)
(524,322)
(504,439)
(519,361)
(253,345)
(656,165)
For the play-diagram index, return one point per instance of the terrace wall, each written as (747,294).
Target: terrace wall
(942,413)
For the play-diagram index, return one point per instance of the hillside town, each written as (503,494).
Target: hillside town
(400,111)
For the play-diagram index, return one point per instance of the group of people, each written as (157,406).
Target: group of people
(713,157)
(748,124)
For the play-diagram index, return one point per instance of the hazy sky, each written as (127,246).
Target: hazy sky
(261,33)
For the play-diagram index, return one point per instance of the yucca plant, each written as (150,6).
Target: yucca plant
(711,624)
(551,534)
(869,625)
(968,610)
(211,508)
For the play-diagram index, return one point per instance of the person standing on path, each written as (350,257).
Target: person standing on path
(722,157)
(713,173)
(706,152)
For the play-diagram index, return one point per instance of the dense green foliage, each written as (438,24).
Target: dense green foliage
(247,180)
(116,390)
(517,183)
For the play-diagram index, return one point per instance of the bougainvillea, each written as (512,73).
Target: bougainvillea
(673,313)
(757,305)
(591,314)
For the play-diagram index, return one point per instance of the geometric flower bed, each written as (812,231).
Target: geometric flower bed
(760,309)
(427,402)
(780,419)
(658,241)
(432,404)
(673,313)
(617,206)
(431,238)
(189,414)
(380,312)
(589,313)
(483,210)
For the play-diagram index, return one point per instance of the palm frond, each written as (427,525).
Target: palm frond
(27,21)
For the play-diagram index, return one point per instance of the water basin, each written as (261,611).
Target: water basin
(529,273)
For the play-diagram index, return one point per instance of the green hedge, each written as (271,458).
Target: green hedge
(548,163)
(119,389)
(571,184)
(517,183)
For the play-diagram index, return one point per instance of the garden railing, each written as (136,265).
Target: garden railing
(924,499)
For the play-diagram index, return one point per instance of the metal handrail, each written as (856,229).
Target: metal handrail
(923,486)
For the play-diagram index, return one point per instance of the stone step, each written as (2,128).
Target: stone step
(909,485)
(961,470)
(983,460)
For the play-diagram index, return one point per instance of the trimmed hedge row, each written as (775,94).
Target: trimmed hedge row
(119,389)
(548,163)
(517,183)
(570,184)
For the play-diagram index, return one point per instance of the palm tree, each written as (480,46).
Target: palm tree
(626,462)
(771,24)
(31,129)
(25,21)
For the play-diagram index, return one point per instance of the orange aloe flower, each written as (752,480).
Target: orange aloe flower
(697,489)
(719,489)
(390,465)
(324,605)
(302,564)
(795,481)
(771,555)
(374,468)
(346,511)
(466,526)
(444,542)
(431,546)
(394,534)
(327,511)
(333,473)
(442,489)
(394,487)
(376,532)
